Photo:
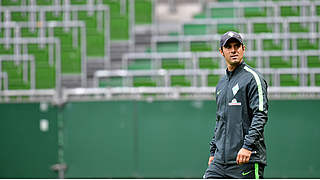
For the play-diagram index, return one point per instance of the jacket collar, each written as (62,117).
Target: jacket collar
(234,72)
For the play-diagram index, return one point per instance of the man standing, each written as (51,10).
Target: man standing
(237,149)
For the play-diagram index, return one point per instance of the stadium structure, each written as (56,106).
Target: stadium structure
(97,88)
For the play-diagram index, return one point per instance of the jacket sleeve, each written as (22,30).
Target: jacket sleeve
(258,106)
(213,146)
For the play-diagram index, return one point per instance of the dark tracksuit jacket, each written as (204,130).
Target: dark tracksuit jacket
(242,108)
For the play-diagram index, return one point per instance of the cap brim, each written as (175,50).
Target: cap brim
(225,42)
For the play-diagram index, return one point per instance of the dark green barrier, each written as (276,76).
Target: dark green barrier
(173,138)
(99,139)
(161,139)
(137,139)
(293,138)
(25,150)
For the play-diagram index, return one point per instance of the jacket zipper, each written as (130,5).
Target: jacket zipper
(226,119)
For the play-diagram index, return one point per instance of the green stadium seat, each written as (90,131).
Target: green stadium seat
(119,28)
(95,44)
(119,22)
(200,16)
(173,34)
(190,29)
(95,37)
(305,44)
(26,32)
(225,0)
(289,80)
(200,46)
(139,64)
(223,28)
(168,47)
(290,11)
(317,79)
(19,16)
(4,50)
(11,3)
(15,75)
(279,62)
(249,0)
(143,81)
(45,2)
(45,77)
(269,44)
(45,73)
(71,61)
(313,61)
(222,13)
(208,63)
(78,2)
(180,81)
(255,12)
(173,64)
(143,11)
(52,16)
(297,27)
(261,28)
(111,82)
(213,80)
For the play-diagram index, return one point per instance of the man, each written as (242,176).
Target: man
(237,149)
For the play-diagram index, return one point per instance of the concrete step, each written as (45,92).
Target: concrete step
(93,66)
(71,80)
(118,49)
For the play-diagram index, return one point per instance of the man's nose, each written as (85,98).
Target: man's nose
(233,49)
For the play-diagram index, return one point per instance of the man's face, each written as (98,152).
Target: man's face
(233,52)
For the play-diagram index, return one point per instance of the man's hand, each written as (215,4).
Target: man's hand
(210,160)
(243,156)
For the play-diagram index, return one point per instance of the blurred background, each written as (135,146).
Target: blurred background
(126,88)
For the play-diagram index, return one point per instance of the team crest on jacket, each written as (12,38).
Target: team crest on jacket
(235,89)
(234,102)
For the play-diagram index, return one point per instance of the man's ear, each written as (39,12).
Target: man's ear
(221,51)
(243,47)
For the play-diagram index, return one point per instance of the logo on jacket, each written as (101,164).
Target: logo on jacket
(235,89)
(218,92)
(234,102)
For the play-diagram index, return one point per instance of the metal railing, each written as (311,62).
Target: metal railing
(103,20)
(272,8)
(184,41)
(4,79)
(50,27)
(165,93)
(25,41)
(262,58)
(245,25)
(23,58)
(199,77)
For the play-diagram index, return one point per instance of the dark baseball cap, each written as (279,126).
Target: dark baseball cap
(229,35)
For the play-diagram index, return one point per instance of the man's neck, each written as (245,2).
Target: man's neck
(233,67)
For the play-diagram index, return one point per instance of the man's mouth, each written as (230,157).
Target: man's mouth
(234,56)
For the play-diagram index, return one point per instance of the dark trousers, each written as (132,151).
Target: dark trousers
(244,171)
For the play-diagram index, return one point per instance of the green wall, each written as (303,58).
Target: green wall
(160,139)
(25,151)
(293,137)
